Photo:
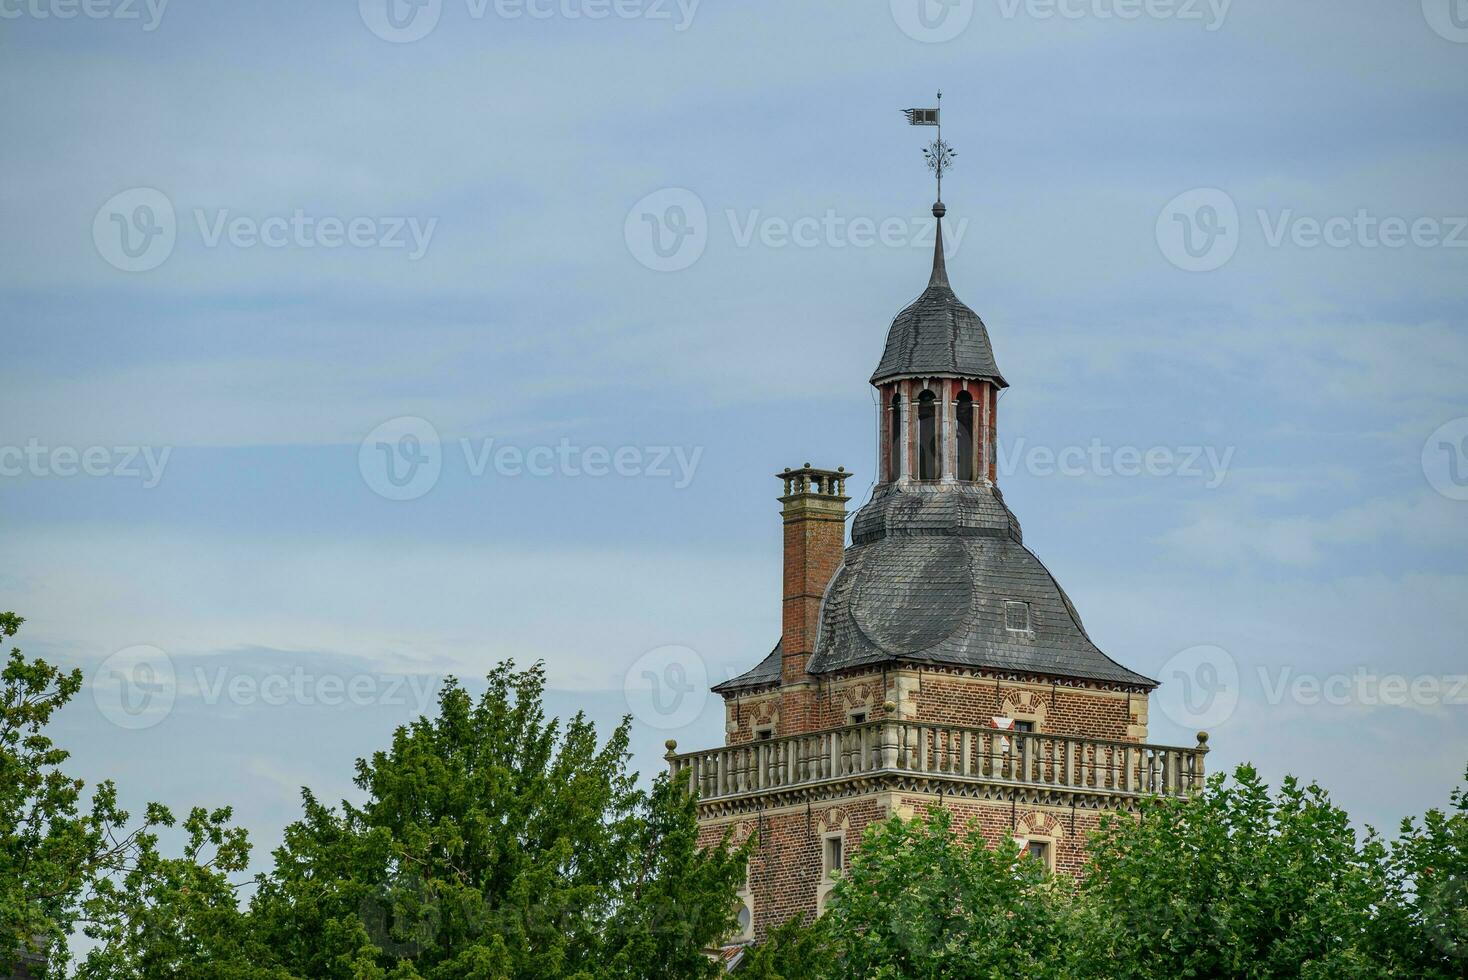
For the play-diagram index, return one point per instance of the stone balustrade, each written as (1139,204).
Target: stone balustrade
(1096,767)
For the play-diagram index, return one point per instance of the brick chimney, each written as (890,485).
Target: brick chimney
(814,511)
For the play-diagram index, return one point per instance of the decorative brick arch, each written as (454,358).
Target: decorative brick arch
(1036,823)
(741,832)
(1023,705)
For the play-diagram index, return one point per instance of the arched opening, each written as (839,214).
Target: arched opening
(894,439)
(966,437)
(929,462)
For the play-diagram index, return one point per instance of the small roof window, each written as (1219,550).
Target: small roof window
(1017,616)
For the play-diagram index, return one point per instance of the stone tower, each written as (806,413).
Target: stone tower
(933,660)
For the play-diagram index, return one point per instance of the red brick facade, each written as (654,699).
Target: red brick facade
(787,871)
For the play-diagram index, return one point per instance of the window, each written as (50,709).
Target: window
(1016,616)
(743,916)
(966,437)
(764,733)
(929,461)
(831,860)
(894,447)
(1024,726)
(1038,850)
(744,910)
(858,718)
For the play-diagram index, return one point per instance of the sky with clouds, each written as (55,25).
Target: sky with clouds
(347,346)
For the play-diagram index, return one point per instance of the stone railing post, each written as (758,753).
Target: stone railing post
(889,735)
(1199,756)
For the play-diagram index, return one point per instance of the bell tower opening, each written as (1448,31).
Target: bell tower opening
(966,437)
(930,460)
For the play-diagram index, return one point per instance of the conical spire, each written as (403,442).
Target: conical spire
(936,334)
(940,269)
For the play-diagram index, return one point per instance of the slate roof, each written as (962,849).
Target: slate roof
(926,578)
(937,335)
(767,671)
(931,565)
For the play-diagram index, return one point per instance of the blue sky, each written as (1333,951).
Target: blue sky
(524,149)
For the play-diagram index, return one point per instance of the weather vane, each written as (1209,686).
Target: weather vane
(938,153)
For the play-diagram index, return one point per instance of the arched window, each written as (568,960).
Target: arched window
(966,437)
(894,441)
(929,462)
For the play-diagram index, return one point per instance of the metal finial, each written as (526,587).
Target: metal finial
(938,153)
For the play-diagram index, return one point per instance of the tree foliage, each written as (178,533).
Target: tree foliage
(492,842)
(1235,882)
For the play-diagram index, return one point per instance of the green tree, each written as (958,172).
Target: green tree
(922,900)
(1235,882)
(66,864)
(492,843)
(1424,930)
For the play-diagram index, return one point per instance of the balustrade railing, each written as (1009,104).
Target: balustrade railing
(985,754)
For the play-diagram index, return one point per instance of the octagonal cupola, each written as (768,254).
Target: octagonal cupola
(938,387)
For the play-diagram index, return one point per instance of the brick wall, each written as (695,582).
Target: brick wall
(945,697)
(786,873)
